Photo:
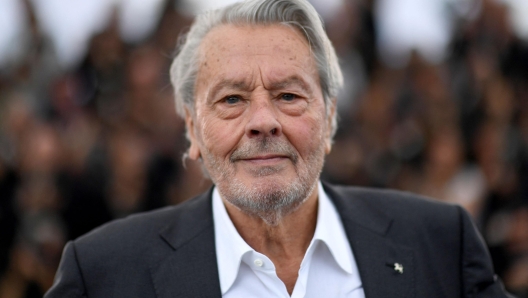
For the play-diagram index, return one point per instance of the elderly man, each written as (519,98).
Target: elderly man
(256,83)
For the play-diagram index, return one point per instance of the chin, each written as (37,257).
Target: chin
(269,198)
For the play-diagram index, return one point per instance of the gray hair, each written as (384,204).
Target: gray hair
(296,13)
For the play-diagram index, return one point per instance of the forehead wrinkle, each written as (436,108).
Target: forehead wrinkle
(232,84)
(271,79)
(294,80)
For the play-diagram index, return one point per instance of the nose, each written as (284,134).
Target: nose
(263,120)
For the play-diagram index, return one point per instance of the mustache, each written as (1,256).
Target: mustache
(264,146)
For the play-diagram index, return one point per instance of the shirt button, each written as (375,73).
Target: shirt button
(258,262)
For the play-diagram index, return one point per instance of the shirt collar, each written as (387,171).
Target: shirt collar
(230,247)
(329,229)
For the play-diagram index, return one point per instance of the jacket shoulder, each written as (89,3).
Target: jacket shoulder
(139,231)
(119,258)
(401,206)
(388,197)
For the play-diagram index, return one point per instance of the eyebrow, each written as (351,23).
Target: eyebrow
(232,84)
(289,81)
(244,85)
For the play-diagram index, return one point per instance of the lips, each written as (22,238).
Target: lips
(264,150)
(261,157)
(265,157)
(265,161)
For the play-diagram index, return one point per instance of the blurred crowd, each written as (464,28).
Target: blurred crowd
(97,138)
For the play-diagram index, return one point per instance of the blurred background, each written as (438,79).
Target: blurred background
(435,102)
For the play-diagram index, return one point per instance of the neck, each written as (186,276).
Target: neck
(285,242)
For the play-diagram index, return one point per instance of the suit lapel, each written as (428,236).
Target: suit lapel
(379,261)
(189,269)
(375,252)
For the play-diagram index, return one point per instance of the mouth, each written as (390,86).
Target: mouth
(265,159)
(264,152)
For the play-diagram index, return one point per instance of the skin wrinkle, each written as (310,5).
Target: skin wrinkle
(256,199)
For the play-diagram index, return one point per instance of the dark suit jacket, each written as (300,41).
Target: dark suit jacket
(171,252)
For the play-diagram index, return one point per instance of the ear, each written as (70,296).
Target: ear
(194,149)
(329,118)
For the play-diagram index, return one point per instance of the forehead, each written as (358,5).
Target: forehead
(253,37)
(276,50)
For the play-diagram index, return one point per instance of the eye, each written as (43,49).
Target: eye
(288,96)
(232,99)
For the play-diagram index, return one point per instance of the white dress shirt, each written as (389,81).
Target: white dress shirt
(328,268)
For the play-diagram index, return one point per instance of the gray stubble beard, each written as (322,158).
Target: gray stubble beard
(273,201)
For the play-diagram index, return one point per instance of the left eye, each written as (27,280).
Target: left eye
(288,96)
(232,99)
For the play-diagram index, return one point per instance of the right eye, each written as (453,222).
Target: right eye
(232,99)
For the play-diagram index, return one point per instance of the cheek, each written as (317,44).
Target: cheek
(306,133)
(220,137)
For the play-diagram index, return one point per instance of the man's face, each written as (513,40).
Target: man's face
(259,122)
